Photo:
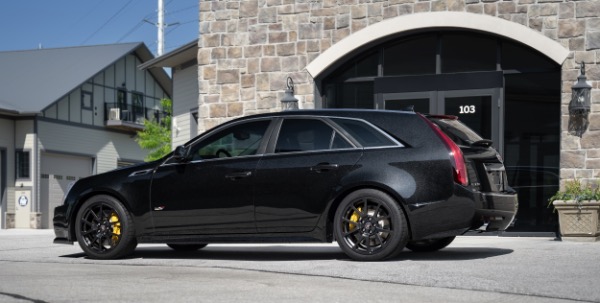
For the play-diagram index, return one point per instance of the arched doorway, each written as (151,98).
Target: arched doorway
(503,89)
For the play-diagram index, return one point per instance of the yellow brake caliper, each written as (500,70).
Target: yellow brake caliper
(354,218)
(116,226)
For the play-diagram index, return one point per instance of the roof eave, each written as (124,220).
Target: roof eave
(174,58)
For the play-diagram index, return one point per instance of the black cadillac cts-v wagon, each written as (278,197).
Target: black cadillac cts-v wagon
(374,181)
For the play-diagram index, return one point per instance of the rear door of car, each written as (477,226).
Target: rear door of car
(302,173)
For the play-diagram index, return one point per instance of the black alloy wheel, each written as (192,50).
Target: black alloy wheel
(104,228)
(369,225)
(186,247)
(428,245)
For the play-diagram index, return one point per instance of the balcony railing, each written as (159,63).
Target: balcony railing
(129,116)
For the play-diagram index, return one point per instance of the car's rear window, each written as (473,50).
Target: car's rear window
(366,135)
(457,131)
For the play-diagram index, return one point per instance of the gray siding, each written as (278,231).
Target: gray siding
(106,147)
(103,87)
(185,98)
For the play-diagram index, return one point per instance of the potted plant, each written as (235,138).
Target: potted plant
(578,207)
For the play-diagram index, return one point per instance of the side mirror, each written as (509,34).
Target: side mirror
(180,153)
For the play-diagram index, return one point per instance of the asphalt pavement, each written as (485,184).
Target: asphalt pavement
(472,269)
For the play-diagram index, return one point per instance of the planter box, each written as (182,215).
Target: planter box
(579,221)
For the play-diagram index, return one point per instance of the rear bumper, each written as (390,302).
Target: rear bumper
(497,212)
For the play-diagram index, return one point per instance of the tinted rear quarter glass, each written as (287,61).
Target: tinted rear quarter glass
(365,134)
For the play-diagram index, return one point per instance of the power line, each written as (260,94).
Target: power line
(108,21)
(133,29)
(83,17)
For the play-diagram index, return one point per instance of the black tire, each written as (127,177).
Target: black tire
(104,228)
(186,247)
(429,245)
(369,225)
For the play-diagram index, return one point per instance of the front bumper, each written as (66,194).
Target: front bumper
(497,212)
(61,226)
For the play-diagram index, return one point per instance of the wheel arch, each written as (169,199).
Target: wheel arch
(333,206)
(77,206)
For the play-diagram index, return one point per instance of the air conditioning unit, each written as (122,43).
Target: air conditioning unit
(115,114)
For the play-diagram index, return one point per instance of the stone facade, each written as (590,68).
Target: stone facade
(248,48)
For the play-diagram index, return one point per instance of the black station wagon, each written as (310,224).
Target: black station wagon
(374,181)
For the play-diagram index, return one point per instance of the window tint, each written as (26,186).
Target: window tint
(307,135)
(239,140)
(365,134)
(457,131)
(411,56)
(468,52)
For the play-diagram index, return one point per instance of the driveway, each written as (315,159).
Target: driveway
(471,269)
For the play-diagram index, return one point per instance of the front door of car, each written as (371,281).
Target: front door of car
(296,181)
(210,192)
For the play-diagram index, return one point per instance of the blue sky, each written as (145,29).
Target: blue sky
(29,24)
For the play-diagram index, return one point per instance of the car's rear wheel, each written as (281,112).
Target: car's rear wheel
(369,225)
(186,247)
(104,228)
(429,244)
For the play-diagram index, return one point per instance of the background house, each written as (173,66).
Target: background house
(67,113)
(184,72)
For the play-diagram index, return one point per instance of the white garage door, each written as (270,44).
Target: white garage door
(57,172)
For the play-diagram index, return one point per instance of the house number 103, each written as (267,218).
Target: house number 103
(467,109)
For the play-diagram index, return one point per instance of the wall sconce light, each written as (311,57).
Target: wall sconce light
(580,105)
(289,102)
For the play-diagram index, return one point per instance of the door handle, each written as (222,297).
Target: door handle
(237,176)
(324,167)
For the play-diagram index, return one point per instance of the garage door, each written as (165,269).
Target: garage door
(57,172)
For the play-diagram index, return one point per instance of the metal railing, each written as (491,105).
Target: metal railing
(131,113)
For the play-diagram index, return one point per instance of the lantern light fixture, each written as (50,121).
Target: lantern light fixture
(289,102)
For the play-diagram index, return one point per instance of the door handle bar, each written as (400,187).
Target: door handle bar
(319,168)
(237,176)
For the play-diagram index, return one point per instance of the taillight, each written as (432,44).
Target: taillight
(460,168)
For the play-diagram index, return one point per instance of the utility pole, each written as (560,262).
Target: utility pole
(161,27)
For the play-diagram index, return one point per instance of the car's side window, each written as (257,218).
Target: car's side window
(308,135)
(365,134)
(239,140)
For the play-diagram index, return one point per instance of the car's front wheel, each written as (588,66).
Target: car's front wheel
(369,225)
(429,244)
(104,228)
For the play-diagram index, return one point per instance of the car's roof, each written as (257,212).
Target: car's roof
(357,113)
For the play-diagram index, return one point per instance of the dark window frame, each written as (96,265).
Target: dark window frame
(23,169)
(121,98)
(89,106)
(138,106)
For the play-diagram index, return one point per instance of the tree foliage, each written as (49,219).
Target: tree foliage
(156,136)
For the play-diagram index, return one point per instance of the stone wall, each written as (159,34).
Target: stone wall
(248,48)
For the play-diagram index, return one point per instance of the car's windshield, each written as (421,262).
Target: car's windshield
(457,131)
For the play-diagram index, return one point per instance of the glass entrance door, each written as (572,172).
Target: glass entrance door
(480,109)
(477,108)
(421,102)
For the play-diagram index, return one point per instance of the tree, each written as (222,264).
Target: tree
(156,136)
